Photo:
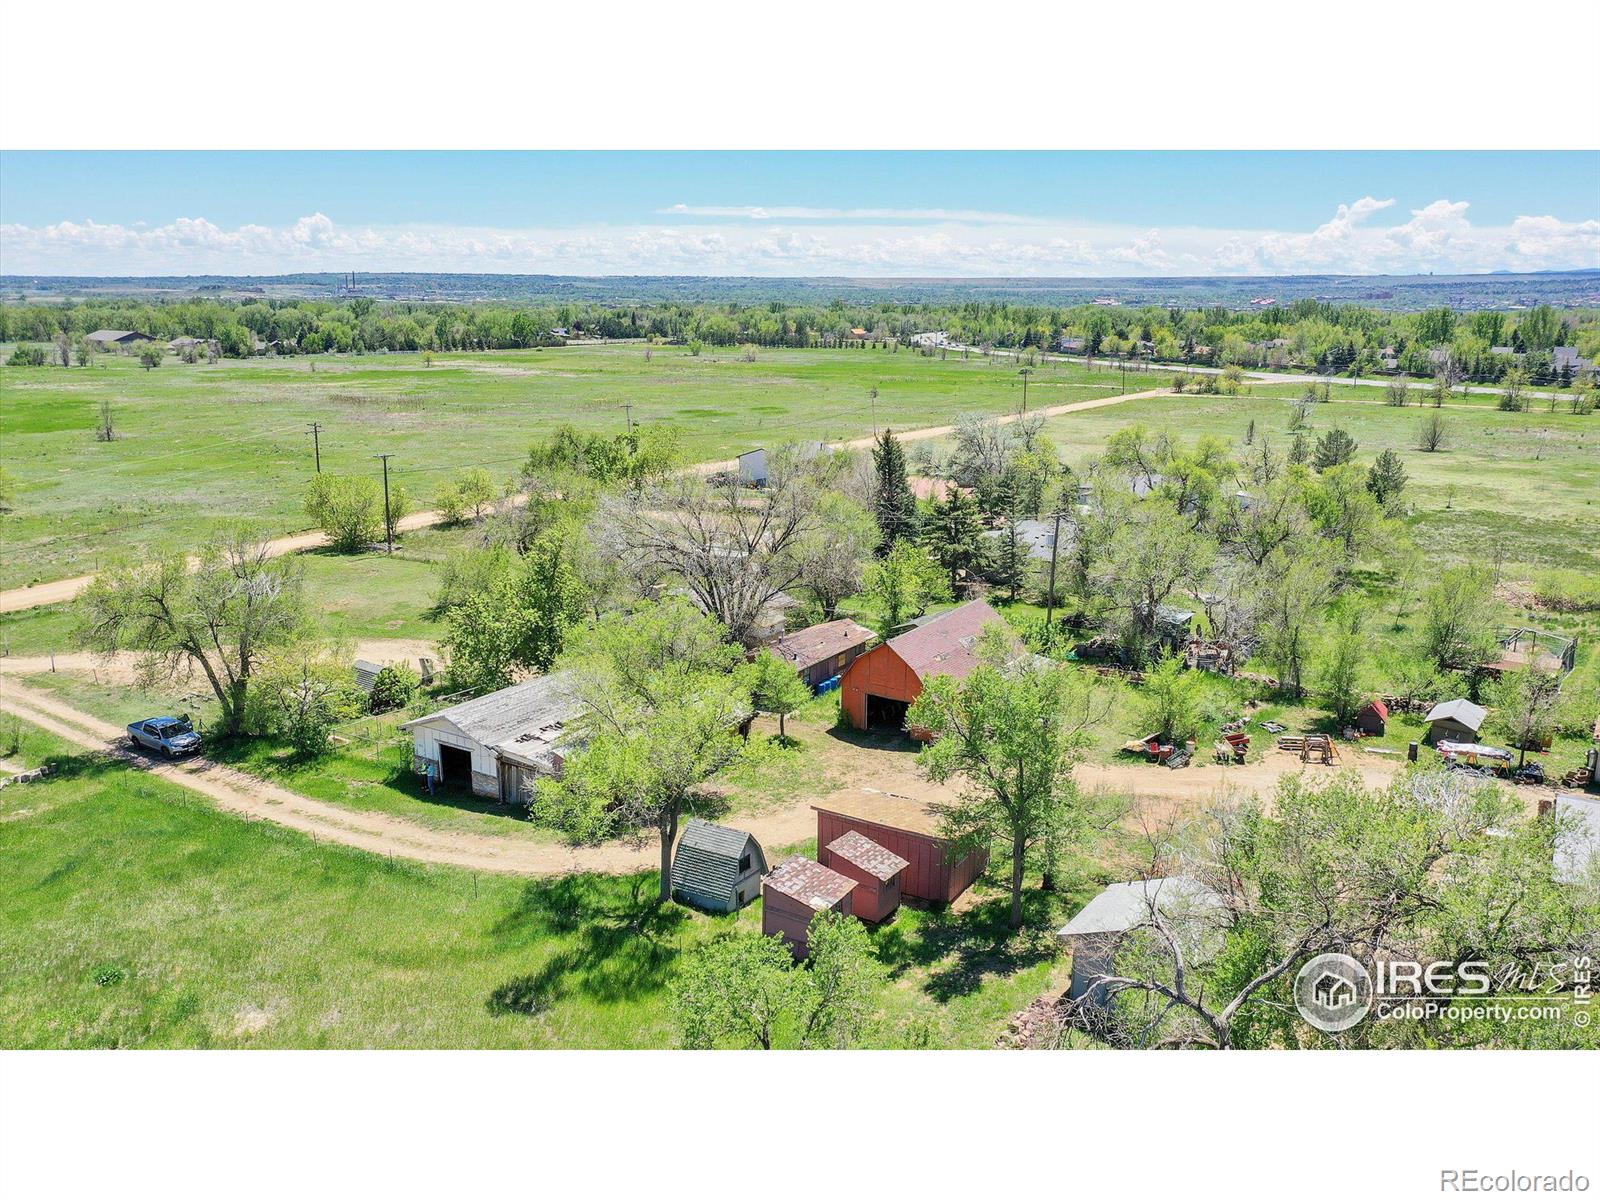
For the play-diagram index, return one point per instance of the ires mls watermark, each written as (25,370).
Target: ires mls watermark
(1335,992)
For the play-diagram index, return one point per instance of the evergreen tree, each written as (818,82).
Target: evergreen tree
(954,534)
(1007,559)
(892,501)
(1386,478)
(1334,449)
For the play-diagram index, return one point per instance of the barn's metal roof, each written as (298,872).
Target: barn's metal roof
(811,883)
(948,644)
(1124,906)
(861,851)
(511,713)
(707,859)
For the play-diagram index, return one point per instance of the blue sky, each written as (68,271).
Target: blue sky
(801,213)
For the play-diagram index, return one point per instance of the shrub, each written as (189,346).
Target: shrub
(348,510)
(1567,591)
(395,687)
(26,355)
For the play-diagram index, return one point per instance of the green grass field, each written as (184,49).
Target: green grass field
(200,443)
(134,915)
(1520,488)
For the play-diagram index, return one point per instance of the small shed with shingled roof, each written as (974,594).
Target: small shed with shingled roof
(875,869)
(795,893)
(716,868)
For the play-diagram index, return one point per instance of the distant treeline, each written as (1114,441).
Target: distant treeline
(1304,334)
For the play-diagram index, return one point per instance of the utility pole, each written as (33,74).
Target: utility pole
(388,525)
(1025,372)
(628,408)
(316,443)
(874,394)
(1050,600)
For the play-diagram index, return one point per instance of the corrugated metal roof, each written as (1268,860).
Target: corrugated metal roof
(1464,711)
(811,883)
(512,712)
(861,851)
(1124,906)
(948,644)
(707,859)
(807,647)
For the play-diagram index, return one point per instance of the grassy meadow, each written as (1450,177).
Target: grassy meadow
(201,443)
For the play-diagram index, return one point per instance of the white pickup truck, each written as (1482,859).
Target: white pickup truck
(170,736)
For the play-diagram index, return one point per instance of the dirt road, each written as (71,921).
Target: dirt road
(59,591)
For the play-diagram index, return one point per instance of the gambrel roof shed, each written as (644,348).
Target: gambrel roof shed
(717,867)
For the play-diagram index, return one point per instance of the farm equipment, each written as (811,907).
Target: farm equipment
(1151,747)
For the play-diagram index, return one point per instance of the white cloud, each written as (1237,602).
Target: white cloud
(1438,237)
(782,212)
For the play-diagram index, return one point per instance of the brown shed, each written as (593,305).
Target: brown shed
(795,893)
(820,652)
(877,873)
(1373,718)
(905,827)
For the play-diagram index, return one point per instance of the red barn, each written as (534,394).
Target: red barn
(876,871)
(878,687)
(797,891)
(908,828)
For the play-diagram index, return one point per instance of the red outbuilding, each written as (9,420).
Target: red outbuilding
(876,871)
(878,687)
(908,828)
(1373,718)
(796,892)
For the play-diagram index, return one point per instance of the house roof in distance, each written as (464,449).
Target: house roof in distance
(1125,906)
(861,851)
(818,643)
(811,883)
(1464,711)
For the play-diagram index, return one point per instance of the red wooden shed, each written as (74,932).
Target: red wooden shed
(796,892)
(878,687)
(906,827)
(1373,718)
(876,871)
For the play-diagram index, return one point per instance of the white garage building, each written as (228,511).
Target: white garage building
(500,743)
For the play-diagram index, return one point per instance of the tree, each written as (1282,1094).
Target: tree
(775,687)
(953,534)
(733,551)
(1513,385)
(235,604)
(745,991)
(349,509)
(1459,619)
(1341,667)
(519,621)
(302,692)
(1386,478)
(1432,434)
(1172,699)
(394,687)
(902,584)
(1011,731)
(150,356)
(660,710)
(1151,551)
(469,495)
(1396,392)
(1295,590)
(1433,868)
(1524,707)
(893,503)
(1334,449)
(836,550)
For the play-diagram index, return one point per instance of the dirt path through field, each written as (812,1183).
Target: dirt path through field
(59,591)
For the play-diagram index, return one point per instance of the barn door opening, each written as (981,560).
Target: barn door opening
(455,766)
(882,712)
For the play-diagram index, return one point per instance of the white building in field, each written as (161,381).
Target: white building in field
(498,744)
